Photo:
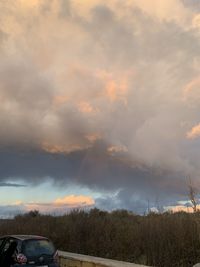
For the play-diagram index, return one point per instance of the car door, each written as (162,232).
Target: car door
(6,244)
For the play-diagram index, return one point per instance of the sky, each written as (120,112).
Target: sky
(100,104)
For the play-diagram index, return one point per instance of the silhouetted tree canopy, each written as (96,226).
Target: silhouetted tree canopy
(163,240)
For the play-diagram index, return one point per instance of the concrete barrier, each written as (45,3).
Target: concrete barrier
(77,260)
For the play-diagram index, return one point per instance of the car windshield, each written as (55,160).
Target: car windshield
(34,248)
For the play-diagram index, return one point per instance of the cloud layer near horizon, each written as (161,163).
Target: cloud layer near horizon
(103,94)
(59,206)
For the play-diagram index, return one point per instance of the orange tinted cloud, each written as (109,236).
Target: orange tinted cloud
(196,21)
(86,107)
(192,90)
(60,99)
(75,201)
(117,149)
(18,202)
(111,90)
(60,205)
(93,137)
(116,86)
(55,148)
(116,91)
(179,208)
(30,3)
(194,132)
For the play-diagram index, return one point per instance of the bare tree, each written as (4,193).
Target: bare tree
(192,195)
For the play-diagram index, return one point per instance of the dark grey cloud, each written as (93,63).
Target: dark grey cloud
(125,200)
(5,184)
(96,169)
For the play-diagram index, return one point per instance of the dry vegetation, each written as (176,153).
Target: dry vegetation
(161,240)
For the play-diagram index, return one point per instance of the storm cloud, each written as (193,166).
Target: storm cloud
(102,94)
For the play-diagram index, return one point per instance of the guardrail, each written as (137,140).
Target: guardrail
(68,259)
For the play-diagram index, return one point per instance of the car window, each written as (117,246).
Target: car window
(1,244)
(1,241)
(34,248)
(7,243)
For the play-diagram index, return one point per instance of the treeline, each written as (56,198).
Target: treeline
(162,240)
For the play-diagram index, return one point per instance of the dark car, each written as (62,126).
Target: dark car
(31,251)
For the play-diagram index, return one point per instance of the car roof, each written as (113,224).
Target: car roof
(25,237)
